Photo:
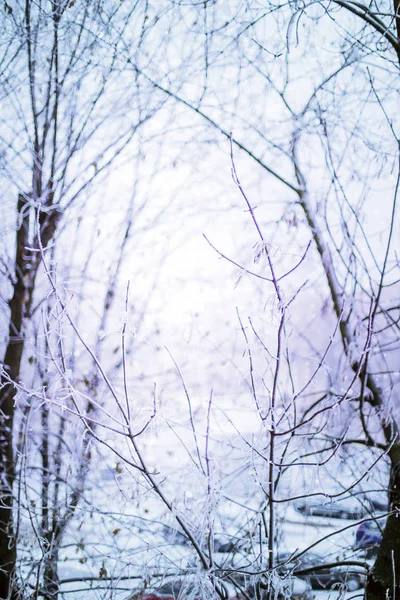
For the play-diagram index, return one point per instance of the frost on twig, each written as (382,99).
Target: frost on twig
(260,248)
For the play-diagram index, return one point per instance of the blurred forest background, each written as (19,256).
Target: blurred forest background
(199,300)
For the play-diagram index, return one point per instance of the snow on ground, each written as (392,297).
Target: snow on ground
(337,595)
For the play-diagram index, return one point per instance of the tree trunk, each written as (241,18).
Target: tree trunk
(10,373)
(384,580)
(26,267)
(50,577)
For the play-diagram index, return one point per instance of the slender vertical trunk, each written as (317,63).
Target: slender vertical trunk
(50,571)
(50,575)
(7,539)
(19,304)
(26,266)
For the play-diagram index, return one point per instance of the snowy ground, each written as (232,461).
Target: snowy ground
(298,532)
(335,595)
(134,545)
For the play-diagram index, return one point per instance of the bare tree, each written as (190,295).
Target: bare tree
(66,120)
(210,467)
(303,71)
(317,146)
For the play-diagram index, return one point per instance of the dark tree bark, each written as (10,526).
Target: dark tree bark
(384,580)
(26,267)
(50,575)
(19,304)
